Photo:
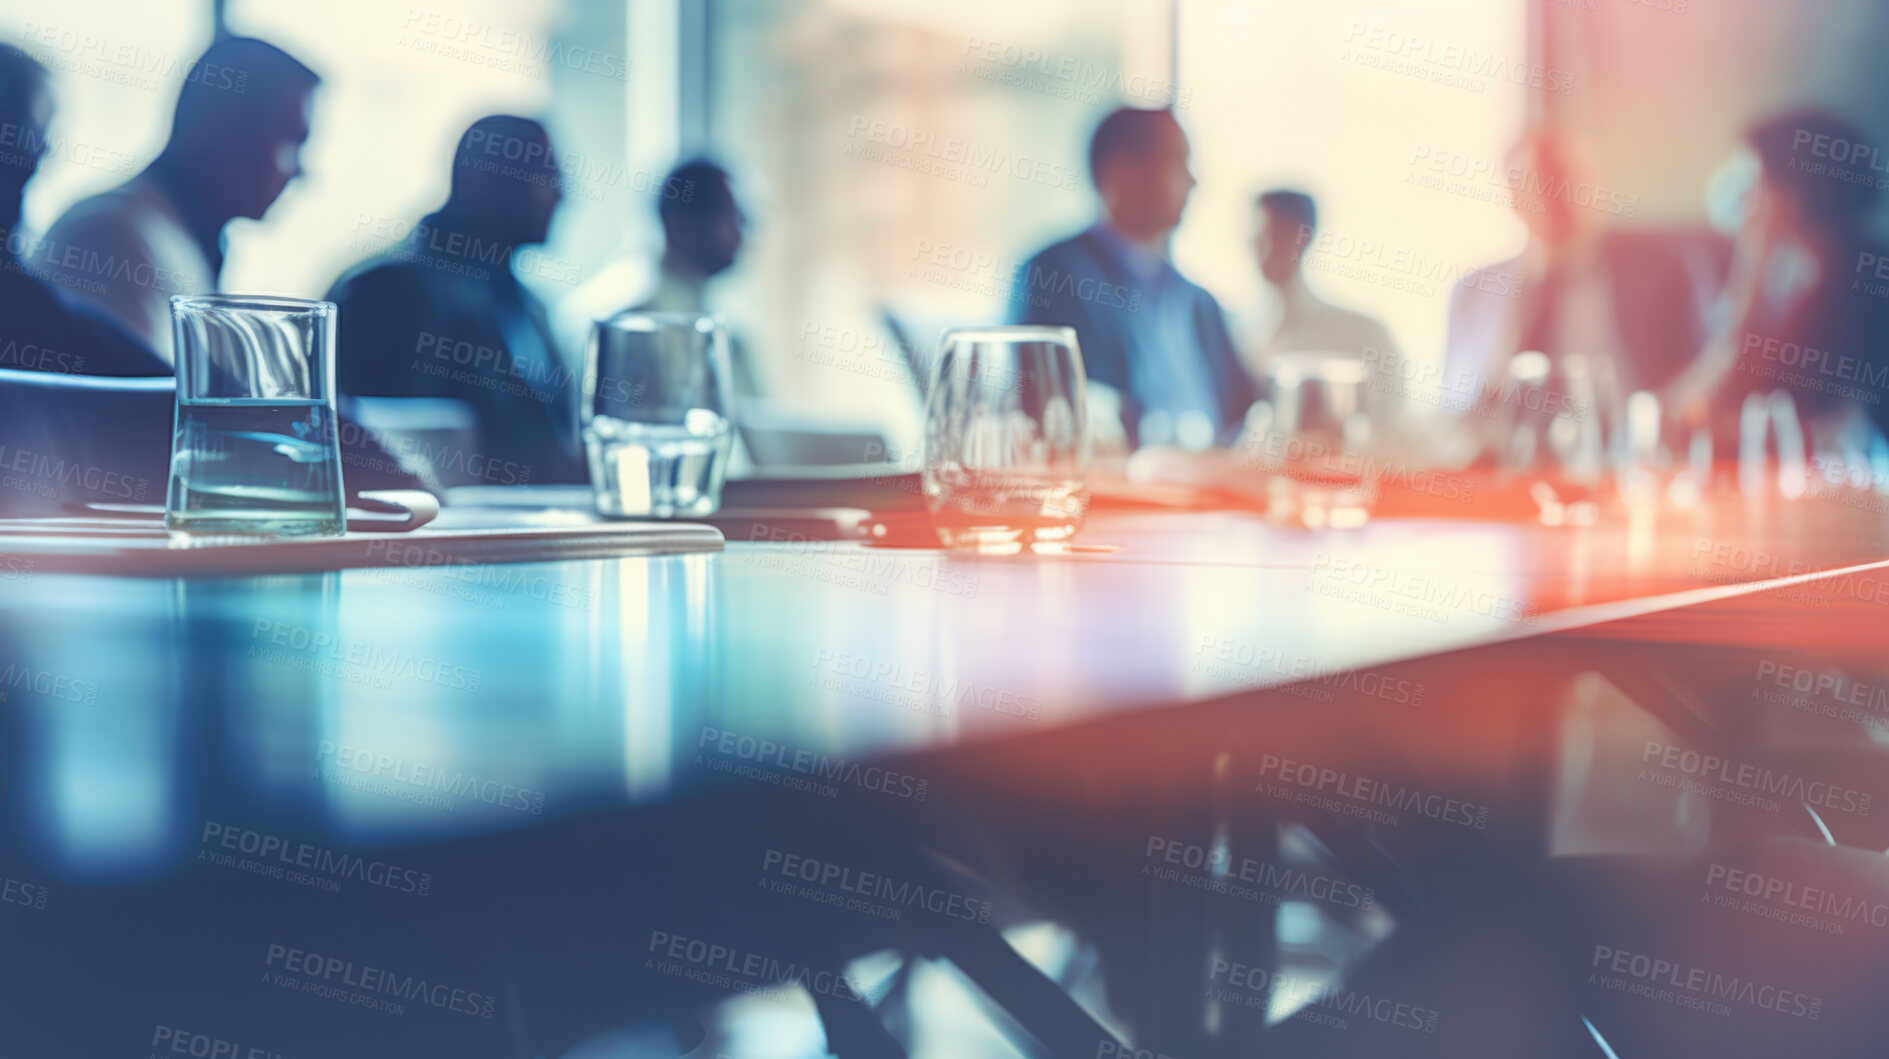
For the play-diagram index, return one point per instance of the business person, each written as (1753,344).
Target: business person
(42,326)
(1295,318)
(443,313)
(242,116)
(1151,336)
(703,229)
(1804,309)
(1633,302)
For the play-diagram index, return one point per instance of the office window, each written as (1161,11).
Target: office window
(903,159)
(115,71)
(1395,115)
(401,83)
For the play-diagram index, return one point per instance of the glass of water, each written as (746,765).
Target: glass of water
(1007,438)
(656,414)
(255,450)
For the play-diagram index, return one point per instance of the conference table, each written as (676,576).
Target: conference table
(1201,785)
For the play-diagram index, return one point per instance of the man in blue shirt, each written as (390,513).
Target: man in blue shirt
(1148,333)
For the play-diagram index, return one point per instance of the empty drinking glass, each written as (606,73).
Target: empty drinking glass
(1006,438)
(656,414)
(1562,426)
(1768,426)
(1316,438)
(255,449)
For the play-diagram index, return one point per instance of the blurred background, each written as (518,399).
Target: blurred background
(899,160)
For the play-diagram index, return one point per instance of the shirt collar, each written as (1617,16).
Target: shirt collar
(677,289)
(1138,260)
(1296,300)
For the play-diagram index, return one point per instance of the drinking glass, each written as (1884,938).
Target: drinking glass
(255,450)
(1316,439)
(1563,426)
(1006,438)
(1768,426)
(656,414)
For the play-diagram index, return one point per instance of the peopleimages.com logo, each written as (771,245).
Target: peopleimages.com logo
(304,863)
(1656,978)
(1216,870)
(1315,998)
(1788,901)
(363,985)
(409,780)
(1362,796)
(1742,782)
(780,763)
(741,971)
(837,884)
(173,1040)
(22,894)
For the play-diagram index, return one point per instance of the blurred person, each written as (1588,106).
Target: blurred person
(43,328)
(236,139)
(1295,318)
(119,428)
(703,227)
(443,314)
(1803,308)
(1634,302)
(1152,340)
(49,343)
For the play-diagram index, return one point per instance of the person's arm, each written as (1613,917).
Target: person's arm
(381,326)
(100,259)
(1037,299)
(1701,386)
(46,330)
(110,349)
(1241,390)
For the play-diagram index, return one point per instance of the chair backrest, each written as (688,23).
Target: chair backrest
(73,439)
(436,437)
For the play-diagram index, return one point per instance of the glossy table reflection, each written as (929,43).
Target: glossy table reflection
(594,683)
(398,709)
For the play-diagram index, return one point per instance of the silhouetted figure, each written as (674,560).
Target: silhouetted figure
(42,327)
(81,440)
(1151,336)
(242,117)
(1296,319)
(444,315)
(702,229)
(1803,308)
(1633,302)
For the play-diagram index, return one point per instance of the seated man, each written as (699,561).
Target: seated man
(75,439)
(702,232)
(1148,334)
(444,315)
(42,328)
(1296,319)
(1634,303)
(230,154)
